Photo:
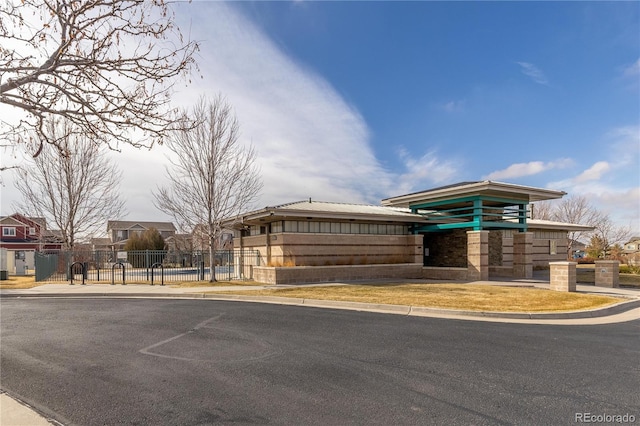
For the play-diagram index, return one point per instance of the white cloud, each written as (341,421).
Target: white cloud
(310,142)
(633,69)
(423,171)
(536,74)
(454,106)
(527,169)
(612,184)
(594,172)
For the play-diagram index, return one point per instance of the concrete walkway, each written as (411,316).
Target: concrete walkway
(623,311)
(16,413)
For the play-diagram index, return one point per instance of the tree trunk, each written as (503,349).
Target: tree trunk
(212,259)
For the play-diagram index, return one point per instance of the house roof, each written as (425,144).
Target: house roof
(128,224)
(11,221)
(310,209)
(485,188)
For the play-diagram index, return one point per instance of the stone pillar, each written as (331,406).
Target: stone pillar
(523,254)
(477,255)
(563,276)
(608,273)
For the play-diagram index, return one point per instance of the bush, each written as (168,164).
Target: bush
(630,269)
(586,260)
(150,240)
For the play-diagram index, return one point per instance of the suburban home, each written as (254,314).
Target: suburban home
(465,231)
(578,250)
(633,245)
(631,251)
(21,237)
(119,231)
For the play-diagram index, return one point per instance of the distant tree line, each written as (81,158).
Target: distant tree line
(606,239)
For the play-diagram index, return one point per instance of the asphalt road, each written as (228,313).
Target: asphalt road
(190,362)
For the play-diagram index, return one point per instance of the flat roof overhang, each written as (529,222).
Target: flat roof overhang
(557,226)
(268,215)
(449,195)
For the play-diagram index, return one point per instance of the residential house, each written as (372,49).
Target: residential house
(119,231)
(631,251)
(21,237)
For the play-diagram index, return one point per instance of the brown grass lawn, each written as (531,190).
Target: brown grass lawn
(473,297)
(27,281)
(449,296)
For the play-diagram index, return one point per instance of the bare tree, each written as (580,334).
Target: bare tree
(609,234)
(74,187)
(107,66)
(576,209)
(542,210)
(212,177)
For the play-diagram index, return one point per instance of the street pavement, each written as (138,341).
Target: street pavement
(16,413)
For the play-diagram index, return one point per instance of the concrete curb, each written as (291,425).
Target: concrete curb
(17,412)
(356,306)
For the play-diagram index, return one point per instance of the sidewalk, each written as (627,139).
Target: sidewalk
(15,413)
(624,311)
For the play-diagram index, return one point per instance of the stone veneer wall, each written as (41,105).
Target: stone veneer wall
(541,251)
(318,274)
(495,248)
(446,249)
(478,255)
(317,249)
(563,276)
(446,273)
(523,254)
(607,273)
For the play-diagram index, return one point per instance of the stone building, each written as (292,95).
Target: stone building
(466,231)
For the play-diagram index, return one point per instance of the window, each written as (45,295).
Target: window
(32,231)
(302,226)
(8,232)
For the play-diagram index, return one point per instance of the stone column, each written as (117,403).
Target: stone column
(563,276)
(607,273)
(477,255)
(523,254)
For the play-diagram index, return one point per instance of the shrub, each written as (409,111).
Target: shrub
(630,269)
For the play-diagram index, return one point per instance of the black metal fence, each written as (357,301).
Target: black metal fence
(144,266)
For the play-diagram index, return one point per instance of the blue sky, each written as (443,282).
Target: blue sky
(358,101)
